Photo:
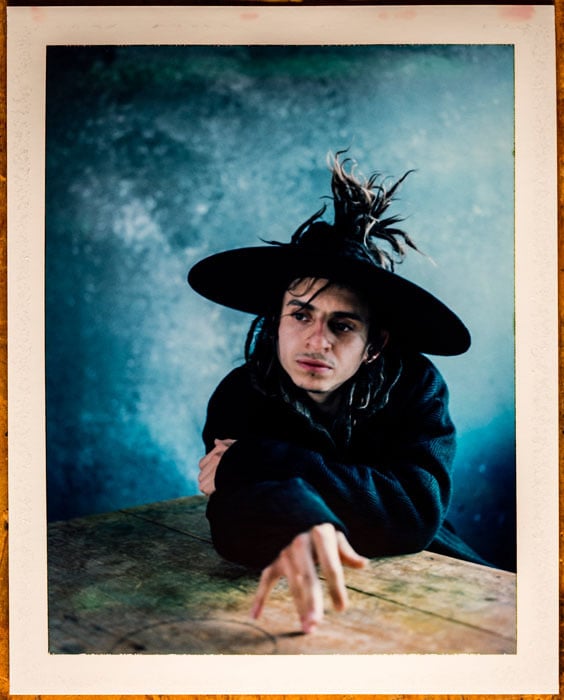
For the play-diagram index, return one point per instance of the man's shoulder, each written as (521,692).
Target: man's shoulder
(237,386)
(419,377)
(238,378)
(417,365)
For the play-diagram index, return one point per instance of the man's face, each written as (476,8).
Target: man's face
(322,337)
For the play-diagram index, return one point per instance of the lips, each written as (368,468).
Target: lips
(314,365)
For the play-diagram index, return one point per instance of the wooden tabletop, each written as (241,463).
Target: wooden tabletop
(147,580)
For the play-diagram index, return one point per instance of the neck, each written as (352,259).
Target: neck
(329,405)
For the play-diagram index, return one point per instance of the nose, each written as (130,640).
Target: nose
(318,336)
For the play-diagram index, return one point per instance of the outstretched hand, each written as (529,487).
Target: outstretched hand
(321,546)
(208,466)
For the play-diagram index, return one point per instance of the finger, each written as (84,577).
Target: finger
(303,581)
(217,452)
(348,555)
(208,470)
(209,458)
(210,461)
(267,581)
(203,483)
(207,485)
(324,538)
(205,471)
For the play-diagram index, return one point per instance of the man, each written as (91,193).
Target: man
(333,442)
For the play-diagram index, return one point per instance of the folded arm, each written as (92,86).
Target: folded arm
(392,499)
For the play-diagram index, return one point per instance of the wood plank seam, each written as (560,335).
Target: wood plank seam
(429,613)
(166,527)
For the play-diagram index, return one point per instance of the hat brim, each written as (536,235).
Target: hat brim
(254,280)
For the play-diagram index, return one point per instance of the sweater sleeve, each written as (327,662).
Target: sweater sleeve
(393,501)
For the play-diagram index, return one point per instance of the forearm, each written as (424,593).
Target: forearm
(251,524)
(386,511)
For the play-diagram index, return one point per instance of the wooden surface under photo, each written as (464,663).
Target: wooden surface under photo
(147,580)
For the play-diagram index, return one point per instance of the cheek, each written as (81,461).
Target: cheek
(357,351)
(357,359)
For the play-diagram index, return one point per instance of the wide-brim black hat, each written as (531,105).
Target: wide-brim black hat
(254,280)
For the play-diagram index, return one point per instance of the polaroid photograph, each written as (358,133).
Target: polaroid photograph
(282,305)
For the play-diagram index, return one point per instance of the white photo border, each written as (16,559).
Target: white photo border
(530,29)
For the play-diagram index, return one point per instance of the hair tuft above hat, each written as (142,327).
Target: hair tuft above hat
(359,205)
(359,208)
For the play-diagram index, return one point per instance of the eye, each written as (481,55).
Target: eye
(299,316)
(341,327)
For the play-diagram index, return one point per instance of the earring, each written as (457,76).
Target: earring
(372,358)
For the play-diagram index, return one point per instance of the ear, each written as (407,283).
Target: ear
(374,349)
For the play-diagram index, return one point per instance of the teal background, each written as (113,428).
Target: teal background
(157,156)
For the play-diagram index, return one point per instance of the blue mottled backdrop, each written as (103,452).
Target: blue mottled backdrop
(157,156)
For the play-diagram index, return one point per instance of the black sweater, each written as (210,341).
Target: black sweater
(387,489)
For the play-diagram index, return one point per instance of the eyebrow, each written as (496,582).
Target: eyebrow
(336,314)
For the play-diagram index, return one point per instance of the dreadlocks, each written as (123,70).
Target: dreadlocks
(359,207)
